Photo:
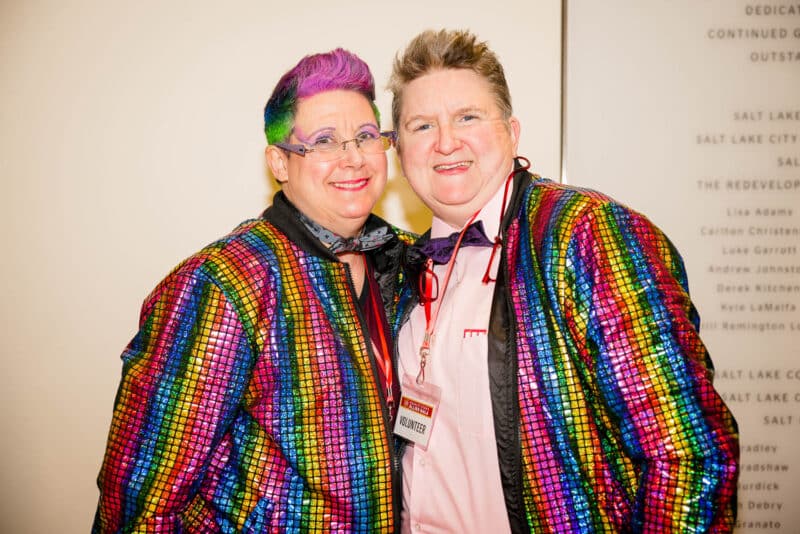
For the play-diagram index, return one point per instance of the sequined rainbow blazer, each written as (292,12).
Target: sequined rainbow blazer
(605,416)
(248,400)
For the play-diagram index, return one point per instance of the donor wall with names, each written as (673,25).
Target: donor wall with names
(689,112)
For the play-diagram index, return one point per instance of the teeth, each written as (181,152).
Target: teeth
(351,185)
(448,166)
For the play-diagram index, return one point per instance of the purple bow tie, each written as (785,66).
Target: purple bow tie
(441,248)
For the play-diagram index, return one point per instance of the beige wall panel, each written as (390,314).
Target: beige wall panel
(130,136)
(689,111)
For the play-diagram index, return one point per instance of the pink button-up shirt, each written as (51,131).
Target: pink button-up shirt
(454,485)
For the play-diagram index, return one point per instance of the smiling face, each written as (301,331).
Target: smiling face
(455,147)
(337,194)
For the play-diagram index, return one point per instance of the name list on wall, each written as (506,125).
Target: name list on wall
(694,120)
(751,231)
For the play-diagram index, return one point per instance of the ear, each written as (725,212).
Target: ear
(514,125)
(277,161)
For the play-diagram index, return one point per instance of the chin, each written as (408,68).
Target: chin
(454,193)
(361,212)
(455,200)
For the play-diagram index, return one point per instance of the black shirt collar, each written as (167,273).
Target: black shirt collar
(284,216)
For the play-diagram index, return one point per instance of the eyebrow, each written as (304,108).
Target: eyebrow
(470,109)
(459,111)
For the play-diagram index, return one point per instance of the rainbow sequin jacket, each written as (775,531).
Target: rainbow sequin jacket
(605,416)
(248,400)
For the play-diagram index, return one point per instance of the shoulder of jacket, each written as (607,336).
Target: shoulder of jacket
(249,248)
(406,237)
(580,200)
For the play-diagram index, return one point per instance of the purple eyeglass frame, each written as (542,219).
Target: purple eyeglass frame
(302,150)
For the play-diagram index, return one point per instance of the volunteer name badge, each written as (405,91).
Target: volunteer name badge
(417,411)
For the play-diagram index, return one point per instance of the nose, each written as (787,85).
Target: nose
(352,153)
(447,141)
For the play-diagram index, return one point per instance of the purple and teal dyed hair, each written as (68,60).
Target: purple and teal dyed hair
(314,74)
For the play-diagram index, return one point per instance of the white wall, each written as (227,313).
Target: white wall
(130,136)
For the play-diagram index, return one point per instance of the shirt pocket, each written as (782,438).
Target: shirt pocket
(474,398)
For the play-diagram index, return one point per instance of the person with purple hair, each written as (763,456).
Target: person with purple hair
(259,392)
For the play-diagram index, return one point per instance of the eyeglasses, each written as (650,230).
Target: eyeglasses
(329,149)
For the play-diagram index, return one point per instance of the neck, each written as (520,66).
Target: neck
(348,228)
(344,227)
(459,217)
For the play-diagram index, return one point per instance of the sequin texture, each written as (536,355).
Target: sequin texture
(619,426)
(248,401)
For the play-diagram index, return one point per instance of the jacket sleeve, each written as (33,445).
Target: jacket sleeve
(184,374)
(655,374)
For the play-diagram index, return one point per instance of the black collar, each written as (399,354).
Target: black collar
(284,216)
(520,183)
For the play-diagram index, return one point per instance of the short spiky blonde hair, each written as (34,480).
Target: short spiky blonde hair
(447,49)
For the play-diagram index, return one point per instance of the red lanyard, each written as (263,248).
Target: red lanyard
(380,341)
(432,312)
